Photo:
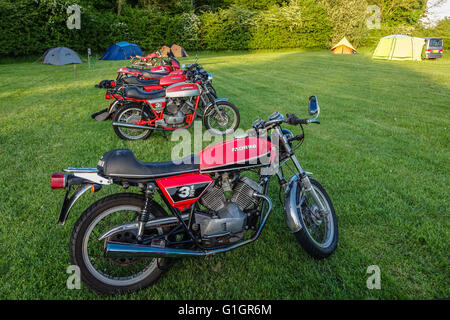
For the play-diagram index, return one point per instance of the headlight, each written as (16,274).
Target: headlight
(210,77)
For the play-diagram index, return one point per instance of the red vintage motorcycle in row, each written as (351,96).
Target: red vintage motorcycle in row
(125,241)
(137,112)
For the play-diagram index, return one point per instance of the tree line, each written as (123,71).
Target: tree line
(29,27)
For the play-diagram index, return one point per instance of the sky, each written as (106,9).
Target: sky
(440,12)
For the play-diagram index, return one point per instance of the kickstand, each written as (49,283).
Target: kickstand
(165,136)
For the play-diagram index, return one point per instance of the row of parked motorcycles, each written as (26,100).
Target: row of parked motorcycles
(207,203)
(165,98)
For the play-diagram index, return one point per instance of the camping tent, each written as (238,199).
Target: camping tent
(164,51)
(176,50)
(343,47)
(60,56)
(122,51)
(399,47)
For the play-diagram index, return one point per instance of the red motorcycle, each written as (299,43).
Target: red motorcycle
(137,113)
(117,98)
(125,241)
(169,66)
(116,88)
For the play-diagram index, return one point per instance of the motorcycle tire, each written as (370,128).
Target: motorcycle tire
(308,243)
(79,247)
(211,113)
(121,132)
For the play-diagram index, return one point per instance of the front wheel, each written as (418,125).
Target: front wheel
(319,233)
(222,119)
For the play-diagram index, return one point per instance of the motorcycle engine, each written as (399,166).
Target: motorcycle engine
(176,110)
(228,218)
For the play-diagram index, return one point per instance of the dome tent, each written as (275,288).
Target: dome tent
(399,47)
(60,56)
(122,51)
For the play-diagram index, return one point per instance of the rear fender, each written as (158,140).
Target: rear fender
(85,179)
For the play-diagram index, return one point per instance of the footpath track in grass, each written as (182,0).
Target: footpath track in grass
(381,152)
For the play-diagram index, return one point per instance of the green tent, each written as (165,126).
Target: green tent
(399,47)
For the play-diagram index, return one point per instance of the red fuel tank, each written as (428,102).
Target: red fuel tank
(237,154)
(161,69)
(183,89)
(171,79)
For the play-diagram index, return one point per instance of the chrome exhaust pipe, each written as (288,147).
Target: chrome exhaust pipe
(131,126)
(122,250)
(152,224)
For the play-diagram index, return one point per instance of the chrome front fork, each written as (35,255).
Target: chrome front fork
(303,176)
(307,185)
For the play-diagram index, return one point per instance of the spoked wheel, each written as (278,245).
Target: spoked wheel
(132,113)
(319,233)
(223,122)
(118,275)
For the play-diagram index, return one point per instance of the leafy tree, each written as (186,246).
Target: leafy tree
(396,12)
(348,18)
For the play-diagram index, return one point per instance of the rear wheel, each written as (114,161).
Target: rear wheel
(132,113)
(114,275)
(223,120)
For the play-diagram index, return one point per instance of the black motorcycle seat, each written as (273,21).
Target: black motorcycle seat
(154,75)
(137,93)
(135,81)
(123,163)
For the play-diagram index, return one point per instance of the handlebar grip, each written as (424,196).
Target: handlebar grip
(293,120)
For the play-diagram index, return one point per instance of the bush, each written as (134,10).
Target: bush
(226,29)
(297,25)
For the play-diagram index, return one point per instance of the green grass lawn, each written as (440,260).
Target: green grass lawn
(382,153)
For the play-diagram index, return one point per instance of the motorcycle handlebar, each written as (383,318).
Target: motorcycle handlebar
(292,119)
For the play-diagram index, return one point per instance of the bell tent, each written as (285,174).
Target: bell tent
(122,51)
(343,47)
(60,56)
(399,47)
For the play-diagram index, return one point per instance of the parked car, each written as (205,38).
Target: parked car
(434,47)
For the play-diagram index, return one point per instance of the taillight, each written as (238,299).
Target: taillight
(113,83)
(58,181)
(108,95)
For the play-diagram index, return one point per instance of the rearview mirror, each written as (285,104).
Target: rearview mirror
(313,106)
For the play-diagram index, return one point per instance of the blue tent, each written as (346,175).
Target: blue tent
(121,51)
